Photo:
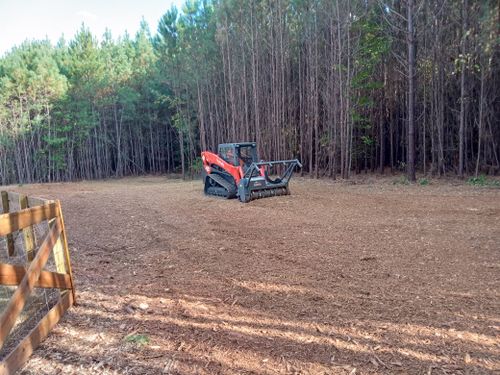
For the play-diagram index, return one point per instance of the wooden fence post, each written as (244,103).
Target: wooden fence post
(66,249)
(58,252)
(28,233)
(10,238)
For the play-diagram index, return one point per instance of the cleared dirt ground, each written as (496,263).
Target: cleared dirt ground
(335,279)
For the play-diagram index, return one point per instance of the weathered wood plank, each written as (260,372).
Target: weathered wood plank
(13,275)
(66,248)
(32,201)
(58,252)
(23,351)
(18,299)
(28,232)
(14,221)
(10,238)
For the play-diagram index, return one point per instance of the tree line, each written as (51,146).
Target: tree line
(348,86)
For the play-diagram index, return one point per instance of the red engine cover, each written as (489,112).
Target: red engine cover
(209,159)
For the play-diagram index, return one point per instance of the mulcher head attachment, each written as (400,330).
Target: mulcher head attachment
(258,184)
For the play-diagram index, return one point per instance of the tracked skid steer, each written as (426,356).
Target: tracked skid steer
(235,171)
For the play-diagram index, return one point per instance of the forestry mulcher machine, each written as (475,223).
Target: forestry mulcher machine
(235,171)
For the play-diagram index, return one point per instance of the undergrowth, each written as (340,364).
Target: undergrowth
(482,180)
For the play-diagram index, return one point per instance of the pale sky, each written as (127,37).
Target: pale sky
(40,19)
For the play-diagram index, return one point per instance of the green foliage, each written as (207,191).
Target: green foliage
(367,140)
(477,181)
(196,166)
(137,339)
(373,45)
(179,122)
(482,180)
(423,182)
(324,140)
(365,101)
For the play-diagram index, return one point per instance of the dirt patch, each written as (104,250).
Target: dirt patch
(338,278)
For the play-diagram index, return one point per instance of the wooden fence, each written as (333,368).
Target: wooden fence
(35,275)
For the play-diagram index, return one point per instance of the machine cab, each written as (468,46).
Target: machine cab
(239,154)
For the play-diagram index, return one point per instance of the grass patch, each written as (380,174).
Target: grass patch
(482,180)
(423,182)
(401,180)
(137,339)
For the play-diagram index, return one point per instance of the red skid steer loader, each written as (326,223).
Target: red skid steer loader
(235,171)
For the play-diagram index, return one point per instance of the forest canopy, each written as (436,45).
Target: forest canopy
(344,85)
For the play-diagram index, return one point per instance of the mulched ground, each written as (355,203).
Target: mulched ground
(364,277)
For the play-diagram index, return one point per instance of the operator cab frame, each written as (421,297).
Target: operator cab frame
(239,154)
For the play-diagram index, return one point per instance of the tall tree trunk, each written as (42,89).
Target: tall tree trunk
(480,125)
(462,91)
(411,94)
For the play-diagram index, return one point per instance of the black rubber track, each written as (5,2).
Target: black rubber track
(221,188)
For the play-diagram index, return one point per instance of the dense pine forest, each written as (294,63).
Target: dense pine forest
(347,86)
